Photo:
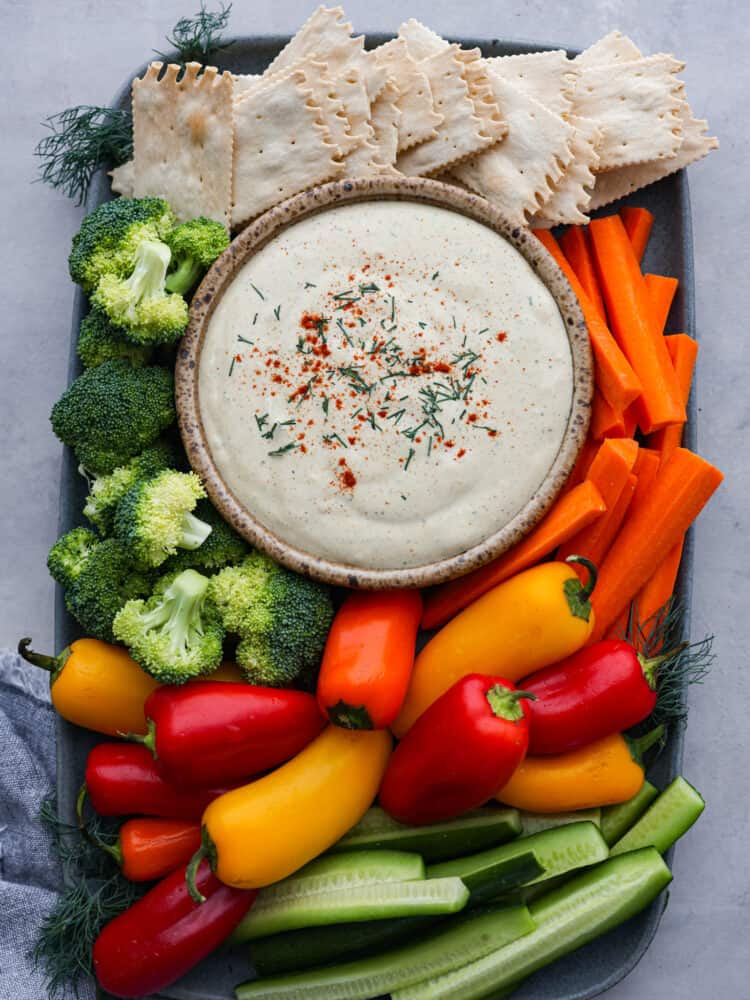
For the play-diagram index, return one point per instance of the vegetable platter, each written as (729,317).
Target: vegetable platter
(486,718)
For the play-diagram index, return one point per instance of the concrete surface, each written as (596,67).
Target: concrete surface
(79,51)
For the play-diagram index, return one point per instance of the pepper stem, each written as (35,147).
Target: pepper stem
(350,716)
(650,666)
(149,740)
(587,589)
(505,703)
(649,739)
(191,873)
(53,664)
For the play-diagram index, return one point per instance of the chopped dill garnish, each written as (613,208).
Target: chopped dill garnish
(435,276)
(257,292)
(325,405)
(409,457)
(277,312)
(245,341)
(231,366)
(368,289)
(283,450)
(393,308)
(261,421)
(422,326)
(429,446)
(255,319)
(340,325)
(396,417)
(309,284)
(483,330)
(334,437)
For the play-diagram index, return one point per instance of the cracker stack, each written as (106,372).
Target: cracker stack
(543,137)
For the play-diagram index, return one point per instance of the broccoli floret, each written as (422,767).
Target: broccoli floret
(154,518)
(69,555)
(112,412)
(105,580)
(176,634)
(282,620)
(105,492)
(223,546)
(109,236)
(100,341)
(139,303)
(195,245)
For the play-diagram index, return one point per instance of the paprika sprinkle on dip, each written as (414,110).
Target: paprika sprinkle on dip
(385,409)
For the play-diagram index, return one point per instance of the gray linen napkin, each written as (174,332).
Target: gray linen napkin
(30,874)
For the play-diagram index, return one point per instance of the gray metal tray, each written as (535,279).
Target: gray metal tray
(597,967)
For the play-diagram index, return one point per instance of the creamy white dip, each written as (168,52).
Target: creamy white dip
(385,384)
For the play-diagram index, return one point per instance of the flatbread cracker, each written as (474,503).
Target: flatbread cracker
(123,179)
(572,194)
(281,147)
(333,114)
(637,104)
(365,158)
(384,120)
(548,77)
(518,174)
(419,120)
(612,48)
(460,134)
(182,139)
(327,36)
(421,41)
(696,144)
(482,95)
(244,83)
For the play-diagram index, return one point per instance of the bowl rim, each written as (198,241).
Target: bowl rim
(324,198)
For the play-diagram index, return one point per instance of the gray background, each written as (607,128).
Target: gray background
(55,54)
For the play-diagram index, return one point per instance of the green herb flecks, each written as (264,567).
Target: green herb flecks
(285,449)
(329,438)
(231,366)
(257,292)
(244,340)
(309,284)
(368,289)
(277,312)
(409,457)
(435,276)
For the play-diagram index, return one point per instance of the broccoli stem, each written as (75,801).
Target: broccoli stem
(147,280)
(182,279)
(179,614)
(194,532)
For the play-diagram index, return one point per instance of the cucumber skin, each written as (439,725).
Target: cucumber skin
(468,869)
(665,821)
(617,820)
(474,935)
(559,930)
(435,842)
(362,903)
(313,946)
(536,822)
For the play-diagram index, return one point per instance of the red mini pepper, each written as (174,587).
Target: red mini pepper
(148,848)
(369,658)
(163,935)
(210,732)
(124,780)
(600,690)
(464,747)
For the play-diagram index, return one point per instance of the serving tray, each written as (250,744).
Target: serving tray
(595,968)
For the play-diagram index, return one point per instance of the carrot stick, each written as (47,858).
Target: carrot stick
(569,514)
(651,529)
(575,245)
(638,223)
(660,586)
(630,313)
(661,291)
(614,375)
(683,351)
(580,470)
(595,544)
(606,421)
(610,472)
(646,468)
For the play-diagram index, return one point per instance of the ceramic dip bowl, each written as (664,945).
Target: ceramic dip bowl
(384,383)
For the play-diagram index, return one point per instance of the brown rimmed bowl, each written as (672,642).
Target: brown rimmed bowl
(255,236)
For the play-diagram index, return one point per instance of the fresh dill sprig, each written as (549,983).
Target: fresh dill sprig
(198,38)
(81,140)
(97,894)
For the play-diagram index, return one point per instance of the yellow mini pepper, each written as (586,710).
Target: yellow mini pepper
(96,685)
(264,831)
(525,623)
(602,773)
